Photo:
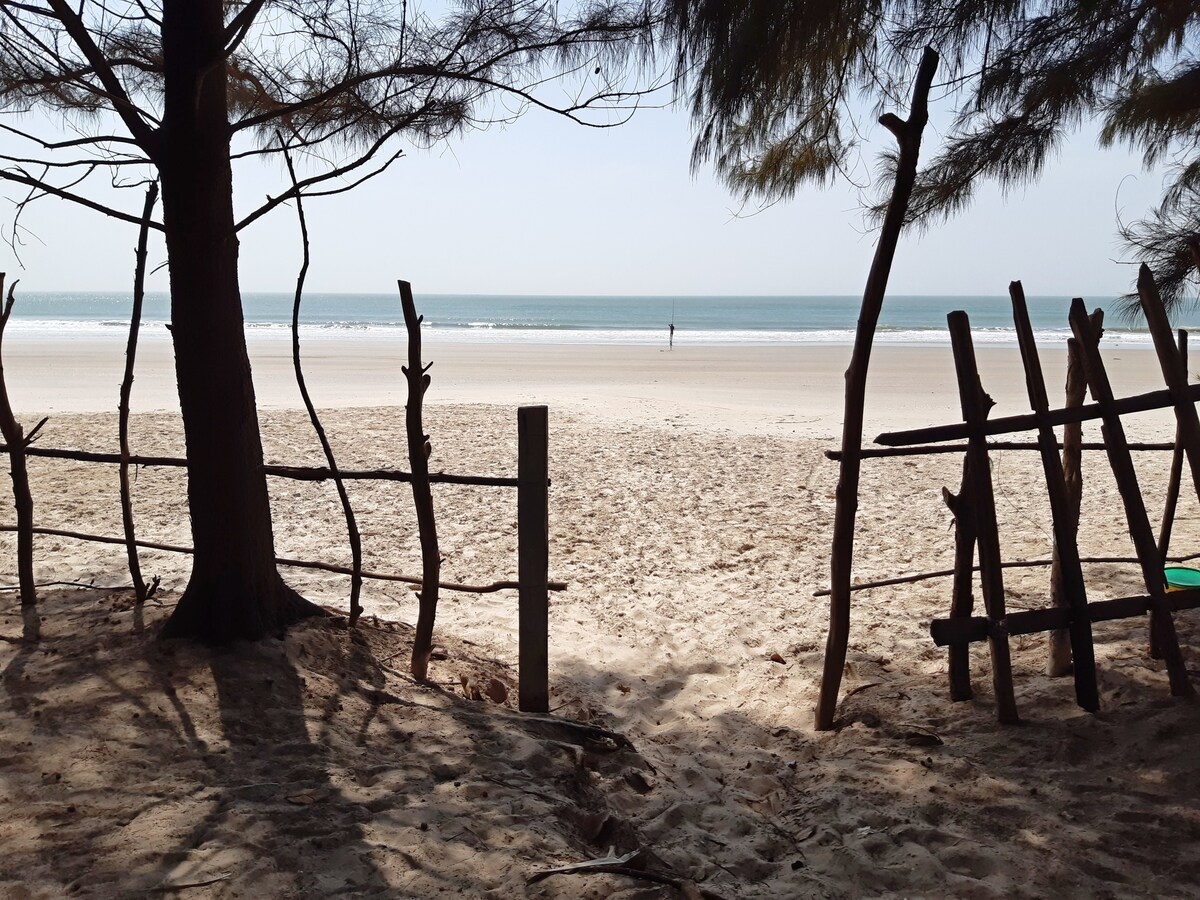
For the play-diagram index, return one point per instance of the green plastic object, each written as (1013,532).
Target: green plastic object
(1182,577)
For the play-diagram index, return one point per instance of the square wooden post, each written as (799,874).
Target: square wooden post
(533,552)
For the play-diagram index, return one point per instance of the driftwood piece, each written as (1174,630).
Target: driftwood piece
(1064,518)
(1123,406)
(1175,482)
(1058,651)
(418,462)
(140,590)
(326,448)
(975,405)
(296,563)
(962,598)
(1162,628)
(908,137)
(17,443)
(533,552)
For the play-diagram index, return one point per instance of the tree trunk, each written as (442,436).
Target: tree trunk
(235,591)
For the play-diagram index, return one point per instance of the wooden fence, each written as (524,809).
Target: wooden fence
(1071,615)
(531,483)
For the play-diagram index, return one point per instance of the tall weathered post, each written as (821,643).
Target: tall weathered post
(908,137)
(418,461)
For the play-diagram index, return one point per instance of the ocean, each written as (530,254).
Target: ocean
(913,320)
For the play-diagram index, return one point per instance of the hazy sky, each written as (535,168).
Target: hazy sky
(547,206)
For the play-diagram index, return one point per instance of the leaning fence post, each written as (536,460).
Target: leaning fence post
(1174,484)
(1058,652)
(533,557)
(22,498)
(841,556)
(1065,519)
(975,405)
(1162,629)
(140,589)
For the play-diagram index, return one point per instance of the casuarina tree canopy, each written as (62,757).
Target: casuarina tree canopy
(773,86)
(183,90)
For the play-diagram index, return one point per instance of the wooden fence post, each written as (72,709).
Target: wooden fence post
(140,590)
(1174,371)
(962,597)
(841,557)
(1065,521)
(533,551)
(975,406)
(1162,629)
(418,460)
(1058,646)
(339,484)
(17,442)
(1176,480)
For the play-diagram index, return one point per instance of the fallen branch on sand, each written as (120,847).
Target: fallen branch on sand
(619,865)
(168,888)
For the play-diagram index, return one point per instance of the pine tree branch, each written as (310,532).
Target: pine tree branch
(30,181)
(134,117)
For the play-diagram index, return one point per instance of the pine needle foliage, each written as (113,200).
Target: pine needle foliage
(341,85)
(775,86)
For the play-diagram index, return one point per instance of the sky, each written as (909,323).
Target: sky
(545,206)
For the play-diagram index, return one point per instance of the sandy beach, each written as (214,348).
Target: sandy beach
(691,515)
(786,390)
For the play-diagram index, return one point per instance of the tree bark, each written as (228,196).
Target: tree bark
(235,591)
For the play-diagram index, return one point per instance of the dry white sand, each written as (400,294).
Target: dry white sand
(690,514)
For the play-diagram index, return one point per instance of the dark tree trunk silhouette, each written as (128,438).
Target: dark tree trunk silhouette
(235,591)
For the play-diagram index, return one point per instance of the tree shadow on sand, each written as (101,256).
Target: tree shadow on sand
(912,794)
(306,767)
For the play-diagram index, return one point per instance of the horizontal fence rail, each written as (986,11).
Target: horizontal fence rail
(934,449)
(292,563)
(1148,402)
(1012,564)
(296,473)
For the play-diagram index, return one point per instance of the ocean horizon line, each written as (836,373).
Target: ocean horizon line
(590,319)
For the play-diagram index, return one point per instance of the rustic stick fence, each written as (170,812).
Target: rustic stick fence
(532,582)
(1071,614)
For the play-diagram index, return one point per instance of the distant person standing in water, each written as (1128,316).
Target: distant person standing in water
(671,336)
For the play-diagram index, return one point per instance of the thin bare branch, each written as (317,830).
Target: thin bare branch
(21,178)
